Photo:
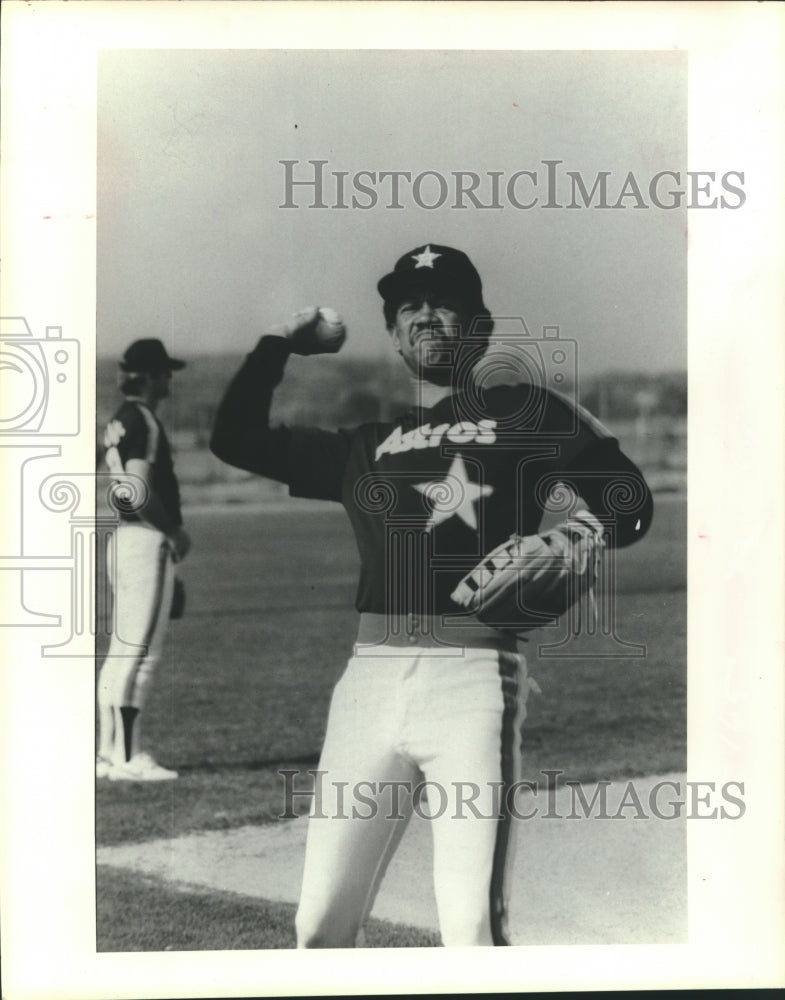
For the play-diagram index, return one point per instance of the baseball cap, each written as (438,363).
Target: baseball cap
(149,355)
(433,264)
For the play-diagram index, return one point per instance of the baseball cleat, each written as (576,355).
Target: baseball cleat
(102,767)
(141,767)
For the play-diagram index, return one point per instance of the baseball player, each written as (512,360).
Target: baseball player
(432,701)
(150,540)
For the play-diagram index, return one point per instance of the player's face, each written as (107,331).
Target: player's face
(159,384)
(427,326)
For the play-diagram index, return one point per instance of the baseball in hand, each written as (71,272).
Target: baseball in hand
(330,330)
(315,331)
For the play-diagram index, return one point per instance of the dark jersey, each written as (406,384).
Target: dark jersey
(135,432)
(429,494)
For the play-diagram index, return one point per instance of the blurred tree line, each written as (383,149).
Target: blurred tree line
(339,391)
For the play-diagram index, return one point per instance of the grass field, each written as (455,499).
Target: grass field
(244,685)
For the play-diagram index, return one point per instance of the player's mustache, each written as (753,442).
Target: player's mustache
(434,329)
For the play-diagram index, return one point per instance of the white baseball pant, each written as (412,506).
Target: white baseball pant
(395,720)
(142,576)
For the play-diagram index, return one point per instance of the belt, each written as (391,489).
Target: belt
(430,631)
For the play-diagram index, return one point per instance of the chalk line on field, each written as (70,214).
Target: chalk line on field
(575,881)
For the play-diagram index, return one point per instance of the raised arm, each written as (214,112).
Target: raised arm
(242,435)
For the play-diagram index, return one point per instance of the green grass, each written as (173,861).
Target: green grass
(246,676)
(244,685)
(595,719)
(199,800)
(136,913)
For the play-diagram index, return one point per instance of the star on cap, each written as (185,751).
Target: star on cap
(426,258)
(455,494)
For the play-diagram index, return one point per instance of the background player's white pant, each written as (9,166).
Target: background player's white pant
(142,576)
(401,718)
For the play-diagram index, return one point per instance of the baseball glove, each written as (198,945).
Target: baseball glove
(529,581)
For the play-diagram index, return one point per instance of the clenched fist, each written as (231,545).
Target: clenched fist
(314,331)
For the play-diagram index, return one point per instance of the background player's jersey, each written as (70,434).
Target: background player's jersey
(431,493)
(135,432)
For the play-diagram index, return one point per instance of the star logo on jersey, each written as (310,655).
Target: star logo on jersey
(426,258)
(455,495)
(114,433)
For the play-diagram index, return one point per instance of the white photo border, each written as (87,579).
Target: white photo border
(736,367)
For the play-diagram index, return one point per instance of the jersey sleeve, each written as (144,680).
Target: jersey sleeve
(242,435)
(576,429)
(591,461)
(614,489)
(609,482)
(309,460)
(317,461)
(129,435)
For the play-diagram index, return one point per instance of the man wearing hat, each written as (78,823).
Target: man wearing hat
(150,540)
(431,703)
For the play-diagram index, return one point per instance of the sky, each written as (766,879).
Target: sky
(194,246)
